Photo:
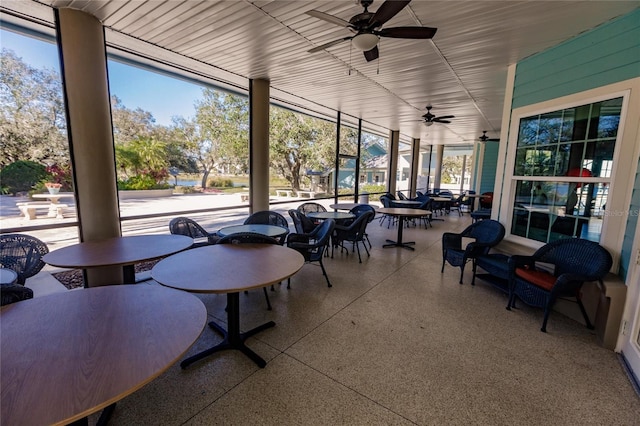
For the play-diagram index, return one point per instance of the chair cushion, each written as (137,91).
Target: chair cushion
(541,279)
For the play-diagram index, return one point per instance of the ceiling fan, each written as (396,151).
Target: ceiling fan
(485,138)
(366,26)
(429,118)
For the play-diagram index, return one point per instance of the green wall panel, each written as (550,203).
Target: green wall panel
(604,55)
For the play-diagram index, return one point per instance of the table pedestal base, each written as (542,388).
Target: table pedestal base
(406,245)
(400,243)
(233,339)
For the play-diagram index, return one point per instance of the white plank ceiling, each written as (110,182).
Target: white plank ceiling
(461,72)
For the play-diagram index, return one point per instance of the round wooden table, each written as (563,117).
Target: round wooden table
(406,203)
(337,216)
(272,231)
(67,355)
(230,269)
(402,213)
(349,206)
(125,251)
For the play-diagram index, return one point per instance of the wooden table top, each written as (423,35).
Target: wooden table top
(349,206)
(227,268)
(70,354)
(117,251)
(331,215)
(268,230)
(407,203)
(401,211)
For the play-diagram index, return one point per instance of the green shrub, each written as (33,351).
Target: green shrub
(22,176)
(217,182)
(139,182)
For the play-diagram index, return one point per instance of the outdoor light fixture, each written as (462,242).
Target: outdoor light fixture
(365,41)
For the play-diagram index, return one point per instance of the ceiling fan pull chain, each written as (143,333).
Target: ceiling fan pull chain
(378,62)
(350,48)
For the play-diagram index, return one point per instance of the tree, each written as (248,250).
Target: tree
(218,137)
(299,142)
(32,115)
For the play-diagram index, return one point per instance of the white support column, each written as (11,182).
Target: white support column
(415,164)
(86,92)
(394,142)
(259,145)
(438,166)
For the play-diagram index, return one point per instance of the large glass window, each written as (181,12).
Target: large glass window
(35,167)
(373,164)
(302,153)
(562,171)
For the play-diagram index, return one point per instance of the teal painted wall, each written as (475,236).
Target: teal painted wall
(605,55)
(489,167)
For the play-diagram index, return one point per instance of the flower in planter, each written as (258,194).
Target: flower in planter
(53,185)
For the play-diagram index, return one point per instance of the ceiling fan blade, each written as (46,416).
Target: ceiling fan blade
(436,120)
(329,18)
(444,117)
(372,55)
(331,43)
(408,32)
(388,10)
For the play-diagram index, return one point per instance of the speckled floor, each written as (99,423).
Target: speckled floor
(394,341)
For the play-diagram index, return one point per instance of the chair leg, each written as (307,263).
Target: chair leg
(584,314)
(473,268)
(266,296)
(324,272)
(461,273)
(547,311)
(289,283)
(358,246)
(366,249)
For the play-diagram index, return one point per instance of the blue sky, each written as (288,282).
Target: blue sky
(163,96)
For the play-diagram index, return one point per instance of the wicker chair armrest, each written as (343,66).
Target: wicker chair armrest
(570,283)
(300,240)
(451,240)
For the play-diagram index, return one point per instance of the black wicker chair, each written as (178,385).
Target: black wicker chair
(267,217)
(557,270)
(22,254)
(14,293)
(191,228)
(456,204)
(249,238)
(386,203)
(353,233)
(360,209)
(302,223)
(487,234)
(310,207)
(313,244)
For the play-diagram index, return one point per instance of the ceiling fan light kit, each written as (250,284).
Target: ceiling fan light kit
(365,41)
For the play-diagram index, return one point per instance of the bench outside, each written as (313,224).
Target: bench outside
(29,209)
(284,192)
(309,194)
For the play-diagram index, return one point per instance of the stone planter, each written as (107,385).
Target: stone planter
(145,193)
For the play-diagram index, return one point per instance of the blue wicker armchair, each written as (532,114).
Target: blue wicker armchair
(313,245)
(486,234)
(557,270)
(23,254)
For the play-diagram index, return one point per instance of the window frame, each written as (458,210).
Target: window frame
(625,159)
